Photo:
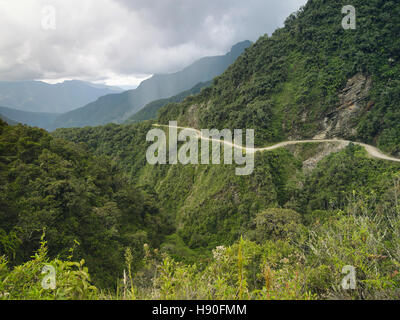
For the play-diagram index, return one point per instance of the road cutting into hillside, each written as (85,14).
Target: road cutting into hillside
(371,150)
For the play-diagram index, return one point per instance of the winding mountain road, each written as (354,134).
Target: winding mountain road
(371,150)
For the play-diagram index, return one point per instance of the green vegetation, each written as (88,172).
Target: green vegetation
(286,84)
(211,206)
(200,231)
(304,265)
(57,186)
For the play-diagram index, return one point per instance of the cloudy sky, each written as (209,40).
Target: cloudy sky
(121,42)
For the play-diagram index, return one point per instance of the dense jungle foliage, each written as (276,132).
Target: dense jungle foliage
(200,231)
(285,84)
(57,186)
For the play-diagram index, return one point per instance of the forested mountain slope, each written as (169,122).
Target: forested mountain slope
(312,78)
(210,205)
(283,232)
(58,188)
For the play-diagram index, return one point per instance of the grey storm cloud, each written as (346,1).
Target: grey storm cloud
(126,39)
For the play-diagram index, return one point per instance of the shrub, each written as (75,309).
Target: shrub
(275,224)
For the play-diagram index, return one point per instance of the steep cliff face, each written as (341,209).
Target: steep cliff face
(353,103)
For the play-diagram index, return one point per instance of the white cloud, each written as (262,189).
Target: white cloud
(126,40)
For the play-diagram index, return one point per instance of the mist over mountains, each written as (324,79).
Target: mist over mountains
(76,103)
(119,107)
(35,119)
(38,96)
(151,109)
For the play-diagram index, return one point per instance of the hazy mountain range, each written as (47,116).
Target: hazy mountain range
(77,104)
(151,109)
(119,107)
(35,119)
(9,121)
(38,96)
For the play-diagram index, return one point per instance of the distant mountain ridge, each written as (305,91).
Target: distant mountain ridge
(34,119)
(151,109)
(38,96)
(7,120)
(119,107)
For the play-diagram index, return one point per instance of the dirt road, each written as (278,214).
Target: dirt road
(371,150)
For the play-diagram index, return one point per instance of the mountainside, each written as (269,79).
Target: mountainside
(79,201)
(150,110)
(119,107)
(311,79)
(34,119)
(37,96)
(284,232)
(304,204)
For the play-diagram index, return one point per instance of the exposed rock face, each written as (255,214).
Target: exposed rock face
(353,101)
(355,91)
